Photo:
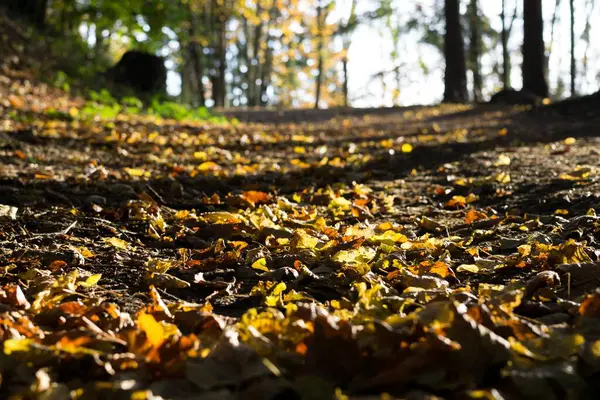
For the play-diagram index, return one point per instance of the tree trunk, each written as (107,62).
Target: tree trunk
(505,55)
(345,85)
(220,89)
(573,65)
(475,50)
(586,37)
(319,55)
(534,77)
(455,77)
(33,10)
(552,30)
(197,59)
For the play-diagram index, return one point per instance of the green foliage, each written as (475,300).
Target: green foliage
(104,106)
(62,81)
(59,115)
(103,97)
(99,110)
(181,112)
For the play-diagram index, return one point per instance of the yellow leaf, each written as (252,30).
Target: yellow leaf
(135,172)
(260,265)
(502,160)
(389,237)
(17,345)
(208,166)
(340,202)
(160,266)
(182,214)
(118,243)
(154,330)
(302,240)
(472,268)
(73,112)
(166,281)
(362,255)
(85,252)
(92,280)
(200,155)
(577,174)
(503,177)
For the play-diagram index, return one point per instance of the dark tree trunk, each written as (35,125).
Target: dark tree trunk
(345,87)
(319,82)
(455,77)
(475,50)
(505,55)
(33,10)
(220,88)
(573,65)
(197,58)
(534,77)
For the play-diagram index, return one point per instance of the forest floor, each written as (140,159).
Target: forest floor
(446,251)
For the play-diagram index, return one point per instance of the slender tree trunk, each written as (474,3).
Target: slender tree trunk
(475,50)
(552,30)
(573,65)
(346,42)
(197,59)
(320,60)
(586,37)
(345,85)
(505,55)
(455,77)
(398,85)
(534,76)
(220,89)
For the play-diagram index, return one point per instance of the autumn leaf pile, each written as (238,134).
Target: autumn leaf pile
(419,253)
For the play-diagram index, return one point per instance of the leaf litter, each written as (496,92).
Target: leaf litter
(353,257)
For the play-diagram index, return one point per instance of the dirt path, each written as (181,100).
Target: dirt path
(426,251)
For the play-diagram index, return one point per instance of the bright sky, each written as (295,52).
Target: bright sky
(372,45)
(369,54)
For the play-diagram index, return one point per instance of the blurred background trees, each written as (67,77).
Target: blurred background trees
(297,53)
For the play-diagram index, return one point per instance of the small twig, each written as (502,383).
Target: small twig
(165,293)
(62,232)
(161,201)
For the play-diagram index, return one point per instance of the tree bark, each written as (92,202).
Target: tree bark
(345,84)
(197,59)
(505,55)
(220,89)
(455,77)
(33,10)
(533,69)
(573,65)
(320,60)
(552,29)
(475,50)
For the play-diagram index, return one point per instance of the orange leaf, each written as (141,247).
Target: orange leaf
(56,265)
(255,197)
(474,215)
(16,101)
